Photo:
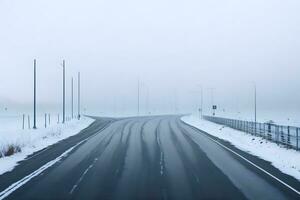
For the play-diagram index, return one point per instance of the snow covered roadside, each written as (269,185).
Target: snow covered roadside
(286,160)
(30,141)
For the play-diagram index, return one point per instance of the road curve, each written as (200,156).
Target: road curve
(145,158)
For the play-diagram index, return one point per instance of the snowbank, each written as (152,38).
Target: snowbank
(286,160)
(26,142)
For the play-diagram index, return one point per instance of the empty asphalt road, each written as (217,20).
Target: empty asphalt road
(156,157)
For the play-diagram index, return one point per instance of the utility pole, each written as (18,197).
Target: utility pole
(79,96)
(255,109)
(64,92)
(72,97)
(34,94)
(138,106)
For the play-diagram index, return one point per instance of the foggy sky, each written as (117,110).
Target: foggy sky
(172,46)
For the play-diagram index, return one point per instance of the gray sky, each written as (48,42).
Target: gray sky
(172,46)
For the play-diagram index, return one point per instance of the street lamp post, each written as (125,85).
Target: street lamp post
(72,97)
(64,92)
(79,96)
(138,96)
(34,94)
(147,100)
(255,108)
(201,104)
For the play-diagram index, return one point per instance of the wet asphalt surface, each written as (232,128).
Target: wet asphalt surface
(157,157)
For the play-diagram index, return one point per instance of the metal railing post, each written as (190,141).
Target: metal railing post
(273,132)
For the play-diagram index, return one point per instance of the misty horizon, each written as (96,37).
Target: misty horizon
(172,49)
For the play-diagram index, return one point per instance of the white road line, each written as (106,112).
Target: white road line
(13,187)
(82,176)
(26,179)
(258,167)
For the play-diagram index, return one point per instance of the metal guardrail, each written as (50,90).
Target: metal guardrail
(285,135)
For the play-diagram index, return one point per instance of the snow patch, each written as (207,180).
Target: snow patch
(286,160)
(30,141)
(27,178)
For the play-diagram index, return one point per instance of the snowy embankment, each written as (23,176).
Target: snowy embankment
(16,145)
(286,160)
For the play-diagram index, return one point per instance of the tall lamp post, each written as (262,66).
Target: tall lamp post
(34,94)
(64,92)
(79,96)
(255,108)
(138,96)
(201,102)
(72,97)
(147,100)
